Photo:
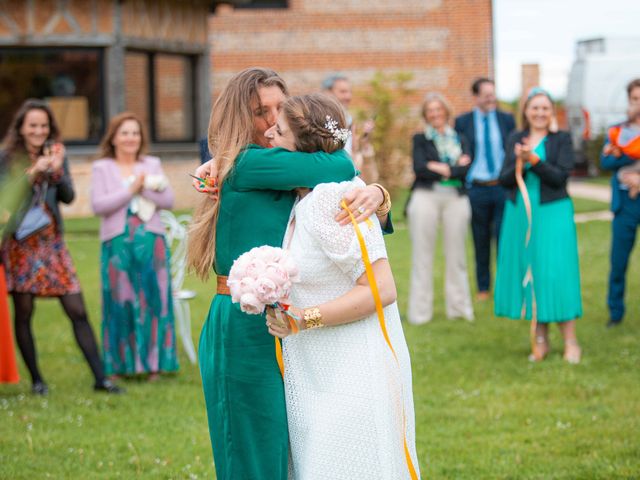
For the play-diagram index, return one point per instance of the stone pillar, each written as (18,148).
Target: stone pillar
(203,92)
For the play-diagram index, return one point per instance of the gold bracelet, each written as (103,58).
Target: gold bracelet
(312,318)
(385,207)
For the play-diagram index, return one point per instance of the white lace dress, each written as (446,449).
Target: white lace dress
(343,388)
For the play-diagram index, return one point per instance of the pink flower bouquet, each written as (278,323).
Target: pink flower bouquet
(262,277)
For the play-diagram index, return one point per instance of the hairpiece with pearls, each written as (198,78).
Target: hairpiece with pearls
(339,134)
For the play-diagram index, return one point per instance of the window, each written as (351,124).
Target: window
(69,79)
(160,90)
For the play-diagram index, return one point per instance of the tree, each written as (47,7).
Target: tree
(387,97)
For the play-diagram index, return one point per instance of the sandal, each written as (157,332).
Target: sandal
(572,352)
(540,349)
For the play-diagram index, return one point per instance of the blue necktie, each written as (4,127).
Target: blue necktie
(488,151)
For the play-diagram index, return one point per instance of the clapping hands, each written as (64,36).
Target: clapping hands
(611,149)
(50,162)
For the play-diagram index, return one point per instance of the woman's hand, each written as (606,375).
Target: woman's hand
(363,202)
(137,185)
(523,150)
(207,170)
(41,165)
(57,157)
(464,160)
(280,324)
(440,168)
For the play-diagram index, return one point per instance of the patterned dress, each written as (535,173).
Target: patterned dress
(40,264)
(138,328)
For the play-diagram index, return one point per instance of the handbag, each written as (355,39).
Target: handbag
(36,218)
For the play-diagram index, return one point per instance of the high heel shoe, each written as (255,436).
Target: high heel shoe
(108,386)
(40,388)
(572,352)
(540,349)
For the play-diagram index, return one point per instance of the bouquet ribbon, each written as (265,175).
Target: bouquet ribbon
(528,277)
(383,327)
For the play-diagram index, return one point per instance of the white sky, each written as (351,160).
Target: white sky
(546,31)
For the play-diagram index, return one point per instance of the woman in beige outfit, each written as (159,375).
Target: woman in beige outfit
(440,163)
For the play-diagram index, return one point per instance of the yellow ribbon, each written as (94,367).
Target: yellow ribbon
(528,277)
(383,326)
(279,356)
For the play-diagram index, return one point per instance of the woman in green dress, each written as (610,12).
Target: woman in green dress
(541,277)
(243,387)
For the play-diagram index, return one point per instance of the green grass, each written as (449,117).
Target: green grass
(483,411)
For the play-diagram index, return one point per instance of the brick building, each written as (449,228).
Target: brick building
(443,43)
(162,59)
(93,59)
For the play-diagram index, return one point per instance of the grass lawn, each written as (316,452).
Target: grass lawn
(483,411)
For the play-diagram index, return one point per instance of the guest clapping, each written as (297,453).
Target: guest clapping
(539,276)
(128,189)
(440,163)
(35,256)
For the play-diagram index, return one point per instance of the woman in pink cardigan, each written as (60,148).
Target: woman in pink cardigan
(127,191)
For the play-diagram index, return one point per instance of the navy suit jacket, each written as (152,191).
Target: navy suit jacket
(465,126)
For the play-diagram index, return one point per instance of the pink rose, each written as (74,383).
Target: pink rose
(269,254)
(267,291)
(249,303)
(255,268)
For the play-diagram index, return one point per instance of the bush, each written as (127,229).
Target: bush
(387,103)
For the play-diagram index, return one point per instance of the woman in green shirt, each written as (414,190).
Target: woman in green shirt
(242,384)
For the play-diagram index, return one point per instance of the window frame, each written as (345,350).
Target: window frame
(101,76)
(151,72)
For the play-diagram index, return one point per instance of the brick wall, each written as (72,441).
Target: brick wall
(173,108)
(444,43)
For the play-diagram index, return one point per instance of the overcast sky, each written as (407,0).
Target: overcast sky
(546,31)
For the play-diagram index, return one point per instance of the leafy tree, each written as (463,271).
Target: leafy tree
(387,99)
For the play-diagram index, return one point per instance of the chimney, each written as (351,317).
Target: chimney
(530,78)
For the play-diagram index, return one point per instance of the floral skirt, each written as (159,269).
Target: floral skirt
(138,328)
(40,265)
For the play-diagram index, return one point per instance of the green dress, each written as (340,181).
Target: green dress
(552,254)
(242,384)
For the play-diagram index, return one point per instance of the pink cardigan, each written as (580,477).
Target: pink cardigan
(110,197)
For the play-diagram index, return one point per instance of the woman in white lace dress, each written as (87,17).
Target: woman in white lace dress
(349,398)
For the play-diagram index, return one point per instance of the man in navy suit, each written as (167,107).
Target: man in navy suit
(487,130)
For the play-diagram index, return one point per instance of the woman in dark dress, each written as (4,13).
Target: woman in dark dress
(39,265)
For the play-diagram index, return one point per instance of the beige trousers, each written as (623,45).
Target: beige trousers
(425,210)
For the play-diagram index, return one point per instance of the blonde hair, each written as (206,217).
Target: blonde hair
(536,92)
(436,97)
(106,149)
(307,119)
(231,128)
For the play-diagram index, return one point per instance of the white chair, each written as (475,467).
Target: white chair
(176,235)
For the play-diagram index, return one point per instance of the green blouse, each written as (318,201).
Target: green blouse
(257,197)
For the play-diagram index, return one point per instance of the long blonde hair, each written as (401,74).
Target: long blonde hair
(231,128)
